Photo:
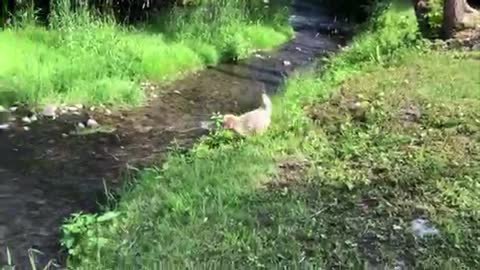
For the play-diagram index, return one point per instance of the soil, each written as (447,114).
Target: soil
(47,173)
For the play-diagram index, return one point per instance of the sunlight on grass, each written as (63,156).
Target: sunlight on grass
(83,59)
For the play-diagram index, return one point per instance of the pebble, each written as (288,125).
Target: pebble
(26,128)
(72,109)
(177,92)
(26,120)
(49,111)
(286,63)
(4,126)
(80,125)
(13,109)
(64,135)
(298,49)
(154,96)
(92,108)
(79,106)
(143,129)
(92,123)
(108,112)
(33,118)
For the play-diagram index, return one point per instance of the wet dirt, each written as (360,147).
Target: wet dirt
(47,173)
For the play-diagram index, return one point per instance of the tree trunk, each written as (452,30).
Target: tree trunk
(453,14)
(468,8)
(421,10)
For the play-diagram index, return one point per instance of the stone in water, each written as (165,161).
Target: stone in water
(49,111)
(92,123)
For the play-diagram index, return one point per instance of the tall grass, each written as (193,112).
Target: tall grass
(84,58)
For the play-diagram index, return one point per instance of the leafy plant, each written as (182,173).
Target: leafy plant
(79,232)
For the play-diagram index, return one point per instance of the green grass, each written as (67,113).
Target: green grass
(83,59)
(334,183)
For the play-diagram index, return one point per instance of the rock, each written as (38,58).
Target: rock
(92,108)
(143,129)
(72,109)
(81,125)
(33,118)
(422,227)
(177,92)
(287,63)
(298,49)
(64,135)
(154,96)
(49,111)
(26,120)
(4,126)
(91,123)
(78,106)
(259,56)
(26,128)
(13,108)
(108,112)
(454,44)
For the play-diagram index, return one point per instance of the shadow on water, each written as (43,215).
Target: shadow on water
(46,173)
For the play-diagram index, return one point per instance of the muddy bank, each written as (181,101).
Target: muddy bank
(47,173)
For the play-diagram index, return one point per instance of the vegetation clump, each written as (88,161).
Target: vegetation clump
(85,58)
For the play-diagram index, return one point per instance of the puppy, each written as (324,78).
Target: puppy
(250,123)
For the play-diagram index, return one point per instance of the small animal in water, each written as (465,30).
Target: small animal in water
(250,123)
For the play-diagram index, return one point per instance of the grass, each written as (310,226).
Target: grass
(85,59)
(388,132)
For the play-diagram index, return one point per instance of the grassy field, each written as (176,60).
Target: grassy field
(387,133)
(86,59)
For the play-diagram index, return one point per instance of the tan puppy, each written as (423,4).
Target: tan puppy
(250,123)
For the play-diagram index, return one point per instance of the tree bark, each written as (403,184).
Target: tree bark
(453,14)
(458,14)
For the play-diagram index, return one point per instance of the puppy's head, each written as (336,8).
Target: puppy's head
(229,121)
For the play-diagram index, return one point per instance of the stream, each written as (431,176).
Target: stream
(47,173)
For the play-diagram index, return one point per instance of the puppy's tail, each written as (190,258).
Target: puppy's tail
(267,104)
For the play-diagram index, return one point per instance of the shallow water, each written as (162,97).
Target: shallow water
(47,174)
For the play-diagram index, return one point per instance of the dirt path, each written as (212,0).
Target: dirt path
(45,175)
